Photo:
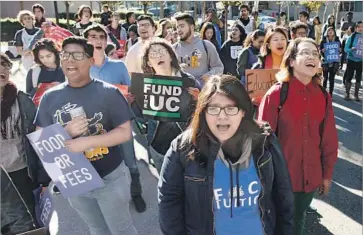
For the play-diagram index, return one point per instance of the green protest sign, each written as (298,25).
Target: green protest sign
(162,98)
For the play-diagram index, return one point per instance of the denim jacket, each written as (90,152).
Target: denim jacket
(185,190)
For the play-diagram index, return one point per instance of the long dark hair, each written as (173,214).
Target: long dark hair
(252,37)
(200,134)
(10,91)
(243,35)
(45,44)
(206,26)
(145,57)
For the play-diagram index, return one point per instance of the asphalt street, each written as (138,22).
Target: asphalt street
(339,213)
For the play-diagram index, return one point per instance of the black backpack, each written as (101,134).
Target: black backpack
(283,97)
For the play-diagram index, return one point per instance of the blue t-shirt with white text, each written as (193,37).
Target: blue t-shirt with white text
(245,219)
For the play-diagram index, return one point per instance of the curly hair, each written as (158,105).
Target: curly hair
(24,13)
(45,44)
(145,57)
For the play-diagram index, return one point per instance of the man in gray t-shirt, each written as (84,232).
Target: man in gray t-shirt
(103,125)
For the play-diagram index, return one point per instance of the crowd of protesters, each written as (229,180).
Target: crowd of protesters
(237,166)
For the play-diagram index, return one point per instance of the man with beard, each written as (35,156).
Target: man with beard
(246,21)
(197,57)
(146,29)
(115,72)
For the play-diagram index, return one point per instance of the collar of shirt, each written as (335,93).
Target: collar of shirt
(311,87)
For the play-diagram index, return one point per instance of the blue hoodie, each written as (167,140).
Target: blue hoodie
(348,48)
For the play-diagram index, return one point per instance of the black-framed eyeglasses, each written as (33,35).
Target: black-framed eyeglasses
(65,55)
(230,111)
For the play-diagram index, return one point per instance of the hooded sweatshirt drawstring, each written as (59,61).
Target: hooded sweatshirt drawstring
(231,185)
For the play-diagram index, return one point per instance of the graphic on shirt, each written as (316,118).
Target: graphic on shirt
(223,198)
(95,127)
(192,61)
(235,51)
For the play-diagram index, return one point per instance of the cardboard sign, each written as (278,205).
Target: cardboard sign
(332,52)
(123,88)
(358,53)
(42,88)
(259,81)
(44,207)
(121,52)
(162,98)
(71,172)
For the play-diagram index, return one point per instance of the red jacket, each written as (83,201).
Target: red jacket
(298,131)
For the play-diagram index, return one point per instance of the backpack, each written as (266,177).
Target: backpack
(283,97)
(35,76)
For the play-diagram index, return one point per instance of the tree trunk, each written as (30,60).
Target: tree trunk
(325,10)
(67,13)
(195,13)
(145,8)
(21,5)
(56,12)
(226,23)
(204,5)
(337,4)
(161,9)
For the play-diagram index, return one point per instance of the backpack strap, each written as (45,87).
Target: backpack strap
(35,76)
(283,97)
(322,124)
(206,50)
(352,40)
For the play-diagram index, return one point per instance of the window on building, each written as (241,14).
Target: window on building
(348,6)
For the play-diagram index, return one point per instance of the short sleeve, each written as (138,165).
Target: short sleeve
(119,110)
(43,118)
(18,38)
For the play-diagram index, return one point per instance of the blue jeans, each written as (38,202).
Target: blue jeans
(128,149)
(106,210)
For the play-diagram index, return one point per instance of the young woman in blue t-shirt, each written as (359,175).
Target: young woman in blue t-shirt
(226,174)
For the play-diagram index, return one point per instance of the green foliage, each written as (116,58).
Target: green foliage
(313,6)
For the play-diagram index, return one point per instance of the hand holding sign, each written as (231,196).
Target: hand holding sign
(77,126)
(79,145)
(331,52)
(72,173)
(161,97)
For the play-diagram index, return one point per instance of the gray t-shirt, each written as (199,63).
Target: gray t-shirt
(105,107)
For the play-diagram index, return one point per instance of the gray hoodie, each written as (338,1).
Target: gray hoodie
(196,60)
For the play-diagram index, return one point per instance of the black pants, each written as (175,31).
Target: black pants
(329,74)
(15,217)
(352,67)
(25,186)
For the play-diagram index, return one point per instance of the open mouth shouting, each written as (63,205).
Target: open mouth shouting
(223,128)
(310,65)
(72,70)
